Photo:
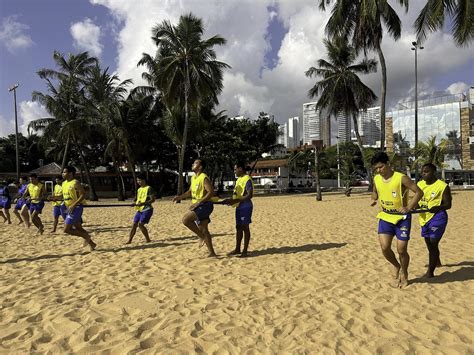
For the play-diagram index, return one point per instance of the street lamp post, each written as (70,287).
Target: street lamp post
(415,48)
(13,88)
(338,163)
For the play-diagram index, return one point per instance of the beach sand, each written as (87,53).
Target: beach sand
(316,282)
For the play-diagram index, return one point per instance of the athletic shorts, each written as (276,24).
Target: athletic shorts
(6,203)
(38,207)
(59,211)
(436,226)
(243,215)
(75,216)
(20,203)
(401,230)
(204,211)
(143,217)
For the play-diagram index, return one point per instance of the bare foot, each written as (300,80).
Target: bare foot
(92,245)
(243,255)
(233,252)
(428,275)
(129,242)
(41,231)
(212,255)
(201,242)
(148,240)
(403,280)
(53,230)
(395,281)
(439,263)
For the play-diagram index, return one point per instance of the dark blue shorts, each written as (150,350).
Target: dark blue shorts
(204,211)
(143,217)
(436,226)
(38,207)
(20,203)
(75,216)
(58,211)
(243,215)
(401,230)
(6,203)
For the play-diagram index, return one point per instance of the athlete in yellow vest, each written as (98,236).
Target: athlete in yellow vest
(145,197)
(390,190)
(35,192)
(58,206)
(197,218)
(436,200)
(242,201)
(73,195)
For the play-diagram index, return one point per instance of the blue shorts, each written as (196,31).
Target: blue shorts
(6,203)
(74,217)
(58,211)
(243,215)
(38,207)
(401,230)
(20,203)
(204,211)
(143,217)
(436,226)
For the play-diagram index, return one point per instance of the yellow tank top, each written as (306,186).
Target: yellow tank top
(69,192)
(239,189)
(197,188)
(58,191)
(142,194)
(390,197)
(432,196)
(35,191)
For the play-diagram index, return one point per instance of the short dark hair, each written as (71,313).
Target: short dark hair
(430,166)
(23,177)
(59,177)
(70,169)
(202,163)
(141,176)
(380,157)
(34,176)
(242,165)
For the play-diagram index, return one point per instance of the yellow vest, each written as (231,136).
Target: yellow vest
(35,191)
(390,197)
(142,194)
(197,188)
(432,196)
(69,192)
(239,188)
(58,191)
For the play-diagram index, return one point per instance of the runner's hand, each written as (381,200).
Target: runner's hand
(403,210)
(194,206)
(374,202)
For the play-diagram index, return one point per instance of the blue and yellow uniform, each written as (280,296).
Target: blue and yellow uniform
(204,210)
(243,212)
(5,198)
(144,213)
(58,206)
(391,198)
(36,192)
(70,197)
(21,201)
(432,225)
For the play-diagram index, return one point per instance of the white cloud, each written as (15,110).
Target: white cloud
(86,37)
(30,111)
(13,36)
(7,126)
(283,89)
(458,88)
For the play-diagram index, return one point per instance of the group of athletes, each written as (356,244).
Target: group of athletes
(431,199)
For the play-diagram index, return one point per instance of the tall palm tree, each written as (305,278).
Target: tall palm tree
(431,152)
(341,89)
(184,69)
(361,22)
(434,13)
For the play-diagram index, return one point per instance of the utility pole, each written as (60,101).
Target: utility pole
(13,88)
(415,48)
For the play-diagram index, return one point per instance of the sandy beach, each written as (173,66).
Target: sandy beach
(315,282)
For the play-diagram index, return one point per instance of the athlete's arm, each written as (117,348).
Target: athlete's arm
(409,184)
(375,195)
(209,190)
(446,201)
(248,193)
(81,193)
(182,196)
(26,193)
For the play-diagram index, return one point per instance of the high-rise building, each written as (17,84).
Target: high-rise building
(283,137)
(311,123)
(343,127)
(369,126)
(293,132)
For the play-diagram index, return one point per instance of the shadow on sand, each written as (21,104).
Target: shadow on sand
(296,249)
(463,274)
(195,237)
(151,245)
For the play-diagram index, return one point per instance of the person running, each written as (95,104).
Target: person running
(73,195)
(390,190)
(144,198)
(5,202)
(58,206)
(242,201)
(197,218)
(436,200)
(22,206)
(36,194)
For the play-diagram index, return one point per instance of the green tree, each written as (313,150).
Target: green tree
(433,15)
(184,70)
(431,152)
(361,22)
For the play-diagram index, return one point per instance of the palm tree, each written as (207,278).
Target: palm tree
(434,13)
(430,152)
(340,89)
(361,22)
(184,70)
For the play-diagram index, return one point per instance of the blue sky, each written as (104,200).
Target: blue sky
(270,46)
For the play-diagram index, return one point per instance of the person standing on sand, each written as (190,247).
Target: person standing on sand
(145,197)
(73,195)
(242,201)
(436,200)
(197,218)
(58,206)
(390,188)
(5,202)
(36,194)
(21,205)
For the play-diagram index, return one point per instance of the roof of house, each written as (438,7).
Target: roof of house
(274,163)
(48,169)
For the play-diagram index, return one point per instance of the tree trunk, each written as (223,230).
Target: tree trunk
(383,94)
(180,170)
(120,184)
(185,132)
(367,165)
(319,197)
(92,193)
(131,166)
(66,151)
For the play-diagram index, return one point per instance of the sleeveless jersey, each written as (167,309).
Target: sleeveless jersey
(197,188)
(142,194)
(239,189)
(432,196)
(390,197)
(35,191)
(58,191)
(70,193)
